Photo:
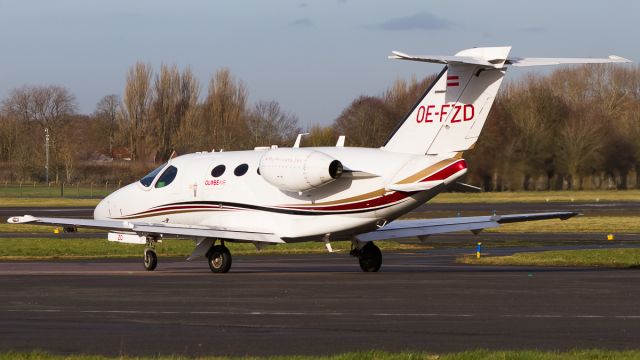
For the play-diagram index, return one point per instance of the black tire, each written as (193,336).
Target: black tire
(219,259)
(370,258)
(150,260)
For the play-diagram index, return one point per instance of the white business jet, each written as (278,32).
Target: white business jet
(282,195)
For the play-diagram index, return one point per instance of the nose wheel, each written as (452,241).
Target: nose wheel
(219,259)
(150,260)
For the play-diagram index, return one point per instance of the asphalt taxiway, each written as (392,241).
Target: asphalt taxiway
(313,304)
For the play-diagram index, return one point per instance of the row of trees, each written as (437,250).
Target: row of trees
(576,127)
(572,128)
(158,114)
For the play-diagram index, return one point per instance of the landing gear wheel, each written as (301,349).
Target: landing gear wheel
(219,259)
(370,258)
(150,260)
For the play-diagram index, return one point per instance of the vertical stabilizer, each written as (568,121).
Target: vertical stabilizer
(451,114)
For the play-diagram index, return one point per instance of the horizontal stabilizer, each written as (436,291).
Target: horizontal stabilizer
(441,59)
(413,187)
(490,59)
(559,61)
(466,188)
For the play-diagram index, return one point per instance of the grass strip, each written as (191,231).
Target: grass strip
(539,196)
(366,355)
(13,199)
(576,224)
(610,258)
(60,248)
(46,202)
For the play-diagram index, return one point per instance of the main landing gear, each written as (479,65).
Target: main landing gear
(219,258)
(369,256)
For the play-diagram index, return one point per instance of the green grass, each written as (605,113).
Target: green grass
(539,196)
(613,258)
(593,224)
(46,202)
(60,248)
(40,196)
(29,228)
(43,190)
(368,355)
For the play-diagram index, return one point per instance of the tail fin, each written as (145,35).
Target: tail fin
(450,115)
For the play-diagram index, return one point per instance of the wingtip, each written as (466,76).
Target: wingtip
(619,59)
(21,219)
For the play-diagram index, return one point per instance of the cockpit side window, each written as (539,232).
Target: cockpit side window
(148,179)
(167,177)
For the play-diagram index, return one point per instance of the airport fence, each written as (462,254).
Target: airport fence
(78,190)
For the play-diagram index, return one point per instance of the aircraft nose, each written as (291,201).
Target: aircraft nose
(101,212)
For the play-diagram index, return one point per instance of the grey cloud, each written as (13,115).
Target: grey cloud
(302,22)
(532,29)
(419,21)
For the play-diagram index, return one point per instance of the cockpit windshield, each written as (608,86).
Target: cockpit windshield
(167,177)
(148,179)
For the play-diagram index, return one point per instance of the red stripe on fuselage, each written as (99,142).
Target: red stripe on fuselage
(441,174)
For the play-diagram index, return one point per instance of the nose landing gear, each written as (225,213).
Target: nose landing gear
(150,260)
(150,257)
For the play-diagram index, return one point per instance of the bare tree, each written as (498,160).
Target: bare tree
(269,125)
(176,95)
(137,96)
(107,111)
(224,112)
(41,108)
(366,122)
(321,136)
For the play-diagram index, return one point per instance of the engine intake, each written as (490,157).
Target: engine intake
(299,170)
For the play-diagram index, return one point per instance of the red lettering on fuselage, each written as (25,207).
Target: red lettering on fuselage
(455,113)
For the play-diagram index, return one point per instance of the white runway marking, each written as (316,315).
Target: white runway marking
(323,314)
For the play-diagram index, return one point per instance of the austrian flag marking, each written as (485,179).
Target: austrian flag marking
(453,80)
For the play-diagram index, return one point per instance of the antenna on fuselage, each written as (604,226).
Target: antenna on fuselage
(298,139)
(340,142)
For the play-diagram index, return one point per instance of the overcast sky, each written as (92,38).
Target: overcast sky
(314,57)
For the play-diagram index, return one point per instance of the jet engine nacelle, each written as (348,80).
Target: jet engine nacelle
(298,170)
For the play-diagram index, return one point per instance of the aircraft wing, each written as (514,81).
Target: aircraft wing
(146,228)
(422,228)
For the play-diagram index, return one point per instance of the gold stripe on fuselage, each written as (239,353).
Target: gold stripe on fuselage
(379,192)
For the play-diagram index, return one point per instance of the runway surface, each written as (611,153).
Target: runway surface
(313,304)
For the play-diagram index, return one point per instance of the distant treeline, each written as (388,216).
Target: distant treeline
(577,127)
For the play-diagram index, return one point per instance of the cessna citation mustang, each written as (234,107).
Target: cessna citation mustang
(282,195)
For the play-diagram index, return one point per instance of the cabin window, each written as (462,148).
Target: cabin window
(148,179)
(167,177)
(241,169)
(218,170)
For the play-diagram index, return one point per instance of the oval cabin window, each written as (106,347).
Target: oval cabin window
(241,169)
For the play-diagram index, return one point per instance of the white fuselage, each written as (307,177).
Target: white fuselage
(356,202)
